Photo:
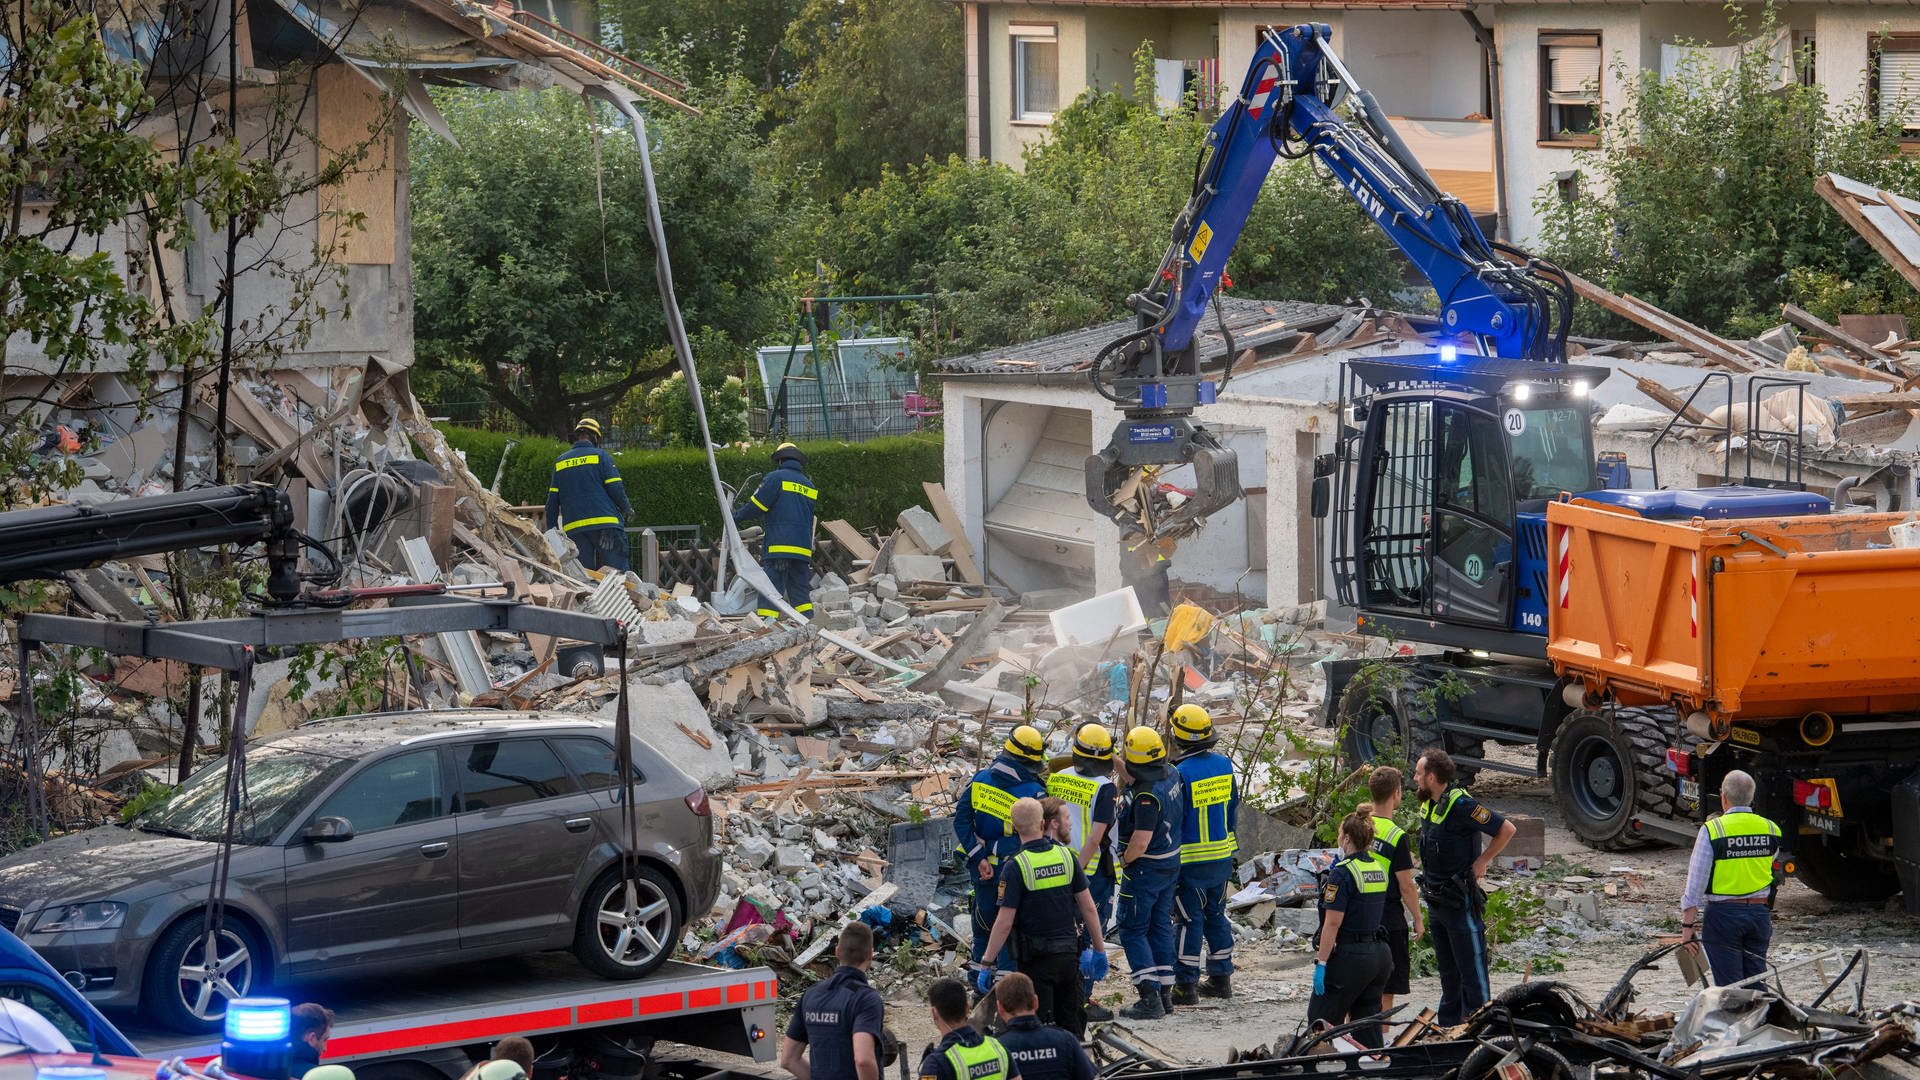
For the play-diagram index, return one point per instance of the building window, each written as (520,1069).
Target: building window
(1570,88)
(1036,71)
(1894,81)
(1803,59)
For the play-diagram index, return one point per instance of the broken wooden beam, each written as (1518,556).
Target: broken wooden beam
(1806,320)
(1716,349)
(1673,402)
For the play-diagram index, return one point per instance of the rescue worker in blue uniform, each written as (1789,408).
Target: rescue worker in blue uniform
(1039,1051)
(1207,848)
(1350,952)
(1090,798)
(835,1033)
(787,498)
(983,823)
(587,500)
(962,1053)
(1452,862)
(1151,815)
(1043,905)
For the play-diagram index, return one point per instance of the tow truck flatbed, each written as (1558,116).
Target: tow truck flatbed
(432,1018)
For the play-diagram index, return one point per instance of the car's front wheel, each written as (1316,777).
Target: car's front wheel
(628,926)
(192,975)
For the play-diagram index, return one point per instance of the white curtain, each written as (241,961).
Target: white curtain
(1709,60)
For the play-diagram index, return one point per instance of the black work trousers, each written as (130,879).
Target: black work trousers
(1056,982)
(1357,974)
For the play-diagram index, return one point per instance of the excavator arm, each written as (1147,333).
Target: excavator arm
(1501,301)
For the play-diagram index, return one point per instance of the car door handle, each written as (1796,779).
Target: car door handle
(579,824)
(434,850)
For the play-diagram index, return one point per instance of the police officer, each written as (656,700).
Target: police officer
(1394,848)
(787,499)
(587,500)
(1452,862)
(983,823)
(1151,815)
(962,1053)
(1207,847)
(1091,801)
(1043,903)
(1733,875)
(835,1030)
(1352,964)
(1039,1051)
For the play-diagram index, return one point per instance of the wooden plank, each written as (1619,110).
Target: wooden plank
(349,115)
(969,643)
(1717,349)
(1674,402)
(1806,320)
(1843,202)
(850,540)
(854,688)
(1847,369)
(961,552)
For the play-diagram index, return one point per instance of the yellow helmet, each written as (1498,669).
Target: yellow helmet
(1144,747)
(588,423)
(786,451)
(1093,741)
(1192,725)
(1026,743)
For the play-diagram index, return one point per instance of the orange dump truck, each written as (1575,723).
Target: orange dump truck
(1788,647)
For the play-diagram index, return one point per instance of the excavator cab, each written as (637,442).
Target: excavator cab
(1438,486)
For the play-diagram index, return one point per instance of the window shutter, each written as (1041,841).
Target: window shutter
(1900,86)
(1573,74)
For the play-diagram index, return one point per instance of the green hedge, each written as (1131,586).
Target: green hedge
(866,483)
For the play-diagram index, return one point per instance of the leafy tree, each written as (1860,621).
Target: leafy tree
(1700,198)
(880,86)
(533,264)
(1020,255)
(704,37)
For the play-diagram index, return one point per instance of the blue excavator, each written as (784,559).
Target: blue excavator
(1442,468)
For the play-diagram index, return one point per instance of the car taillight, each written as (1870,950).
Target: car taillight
(1812,796)
(697,802)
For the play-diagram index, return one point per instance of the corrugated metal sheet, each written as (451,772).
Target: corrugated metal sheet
(1255,324)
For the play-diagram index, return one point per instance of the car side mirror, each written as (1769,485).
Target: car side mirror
(328,830)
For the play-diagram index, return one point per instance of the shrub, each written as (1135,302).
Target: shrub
(867,483)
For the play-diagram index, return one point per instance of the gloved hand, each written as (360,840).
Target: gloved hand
(752,534)
(1320,978)
(1093,964)
(983,980)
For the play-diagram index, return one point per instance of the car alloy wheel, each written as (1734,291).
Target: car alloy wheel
(635,922)
(206,983)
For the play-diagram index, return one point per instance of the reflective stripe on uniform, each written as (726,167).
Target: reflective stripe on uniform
(755,500)
(1744,845)
(585,523)
(1212,791)
(583,459)
(1453,796)
(789,549)
(803,607)
(800,489)
(613,480)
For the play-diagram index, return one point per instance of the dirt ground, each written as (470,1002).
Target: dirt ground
(1274,979)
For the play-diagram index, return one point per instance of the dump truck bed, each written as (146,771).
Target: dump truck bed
(1747,619)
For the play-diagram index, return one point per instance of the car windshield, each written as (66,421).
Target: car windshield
(279,784)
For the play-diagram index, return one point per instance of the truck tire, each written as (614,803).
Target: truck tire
(628,929)
(1843,875)
(1373,728)
(1542,1062)
(1608,768)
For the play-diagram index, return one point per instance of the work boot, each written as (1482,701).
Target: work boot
(1166,999)
(1217,986)
(1097,1013)
(1149,1007)
(1184,994)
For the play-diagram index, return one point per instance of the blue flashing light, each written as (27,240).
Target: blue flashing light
(1449,353)
(259,1020)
